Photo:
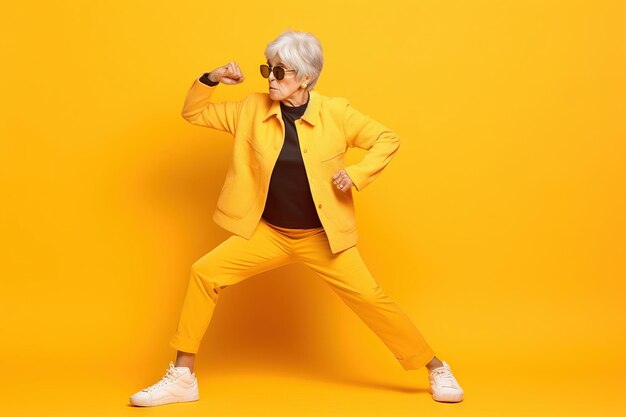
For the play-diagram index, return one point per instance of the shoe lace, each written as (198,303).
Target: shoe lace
(444,377)
(169,377)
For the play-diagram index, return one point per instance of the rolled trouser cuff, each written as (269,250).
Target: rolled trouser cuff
(184,344)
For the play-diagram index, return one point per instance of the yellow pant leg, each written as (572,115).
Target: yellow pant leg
(228,263)
(349,277)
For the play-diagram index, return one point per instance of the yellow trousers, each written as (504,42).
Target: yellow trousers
(269,247)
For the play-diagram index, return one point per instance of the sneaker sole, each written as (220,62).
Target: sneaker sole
(447,398)
(167,400)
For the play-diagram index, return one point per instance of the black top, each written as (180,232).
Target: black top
(289,201)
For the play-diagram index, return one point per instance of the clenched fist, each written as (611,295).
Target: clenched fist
(342,181)
(228,74)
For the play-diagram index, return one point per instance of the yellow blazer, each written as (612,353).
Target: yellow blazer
(326,129)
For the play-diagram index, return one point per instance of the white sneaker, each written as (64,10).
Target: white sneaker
(178,385)
(443,385)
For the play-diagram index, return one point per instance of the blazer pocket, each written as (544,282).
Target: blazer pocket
(326,158)
(238,195)
(255,145)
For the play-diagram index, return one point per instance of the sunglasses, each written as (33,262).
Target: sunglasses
(279,72)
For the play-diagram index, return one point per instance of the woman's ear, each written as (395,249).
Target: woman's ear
(304,83)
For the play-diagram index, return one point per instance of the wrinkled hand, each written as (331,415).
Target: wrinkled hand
(342,181)
(227,74)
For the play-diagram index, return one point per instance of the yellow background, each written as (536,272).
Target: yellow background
(498,227)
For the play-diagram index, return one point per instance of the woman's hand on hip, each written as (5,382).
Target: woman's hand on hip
(342,181)
(227,74)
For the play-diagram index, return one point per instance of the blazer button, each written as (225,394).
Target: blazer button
(304,150)
(319,205)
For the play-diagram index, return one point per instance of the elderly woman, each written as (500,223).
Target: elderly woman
(287,198)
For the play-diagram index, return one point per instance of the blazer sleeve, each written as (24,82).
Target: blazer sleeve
(381,145)
(199,110)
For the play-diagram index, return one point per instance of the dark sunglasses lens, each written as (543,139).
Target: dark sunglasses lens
(279,73)
(265,71)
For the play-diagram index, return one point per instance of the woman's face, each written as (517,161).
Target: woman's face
(288,89)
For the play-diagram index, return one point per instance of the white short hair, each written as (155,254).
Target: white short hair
(299,50)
